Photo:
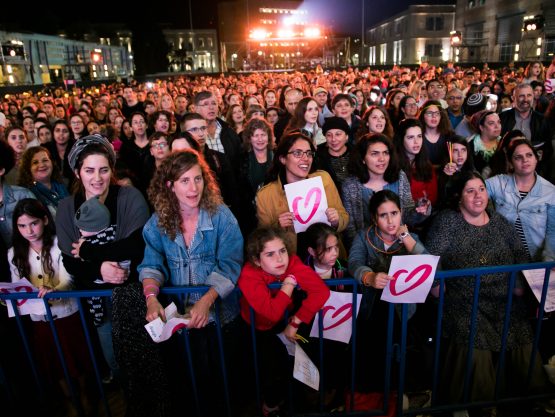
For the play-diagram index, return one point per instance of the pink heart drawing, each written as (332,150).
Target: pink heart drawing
(426,271)
(318,196)
(349,313)
(18,289)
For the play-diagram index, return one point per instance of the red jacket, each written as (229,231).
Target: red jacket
(270,304)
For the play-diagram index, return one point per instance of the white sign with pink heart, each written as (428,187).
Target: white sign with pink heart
(25,306)
(308,202)
(337,323)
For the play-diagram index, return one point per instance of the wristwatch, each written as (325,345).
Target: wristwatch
(403,235)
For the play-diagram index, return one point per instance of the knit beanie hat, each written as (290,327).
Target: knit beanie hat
(92,216)
(335,123)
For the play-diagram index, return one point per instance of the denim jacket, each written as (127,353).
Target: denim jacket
(536,210)
(214,258)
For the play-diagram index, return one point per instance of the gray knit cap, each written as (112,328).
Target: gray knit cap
(82,143)
(92,216)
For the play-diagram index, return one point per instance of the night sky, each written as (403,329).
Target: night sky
(341,16)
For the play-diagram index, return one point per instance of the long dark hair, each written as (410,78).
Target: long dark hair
(285,143)
(358,168)
(297,121)
(32,208)
(422,166)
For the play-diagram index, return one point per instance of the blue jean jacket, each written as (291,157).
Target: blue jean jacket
(214,259)
(536,210)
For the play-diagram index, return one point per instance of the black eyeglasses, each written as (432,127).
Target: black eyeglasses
(298,154)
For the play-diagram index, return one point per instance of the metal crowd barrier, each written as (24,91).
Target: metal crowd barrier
(396,350)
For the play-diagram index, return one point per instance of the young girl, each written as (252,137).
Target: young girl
(35,255)
(270,261)
(323,251)
(369,261)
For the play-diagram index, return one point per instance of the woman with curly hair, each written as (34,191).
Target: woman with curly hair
(437,130)
(39,174)
(193,239)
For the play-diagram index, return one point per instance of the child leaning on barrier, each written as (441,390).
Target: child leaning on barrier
(35,255)
(270,261)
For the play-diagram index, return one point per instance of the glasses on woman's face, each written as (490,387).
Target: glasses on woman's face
(298,154)
(432,114)
(160,145)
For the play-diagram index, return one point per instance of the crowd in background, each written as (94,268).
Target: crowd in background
(180,182)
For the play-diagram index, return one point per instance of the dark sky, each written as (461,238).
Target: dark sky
(342,16)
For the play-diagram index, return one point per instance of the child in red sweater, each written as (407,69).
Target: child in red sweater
(270,261)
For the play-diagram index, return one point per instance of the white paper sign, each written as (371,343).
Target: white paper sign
(413,277)
(549,86)
(160,331)
(535,278)
(308,202)
(304,369)
(338,317)
(289,345)
(27,306)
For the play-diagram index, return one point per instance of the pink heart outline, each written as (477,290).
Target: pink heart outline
(18,289)
(343,319)
(427,270)
(295,204)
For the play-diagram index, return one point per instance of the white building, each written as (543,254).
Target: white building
(192,50)
(422,32)
(34,59)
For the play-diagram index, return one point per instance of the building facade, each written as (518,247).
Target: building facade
(505,31)
(35,59)
(420,33)
(192,50)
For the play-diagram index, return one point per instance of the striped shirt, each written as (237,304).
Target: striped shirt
(518,225)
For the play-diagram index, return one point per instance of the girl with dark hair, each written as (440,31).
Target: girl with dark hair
(16,137)
(392,105)
(35,255)
(322,242)
(305,120)
(369,261)
(414,162)
(270,260)
(235,116)
(42,177)
(437,130)
(484,144)
(373,166)
(59,149)
(455,235)
(293,161)
(77,125)
(9,194)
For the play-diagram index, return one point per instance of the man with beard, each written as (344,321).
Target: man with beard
(530,122)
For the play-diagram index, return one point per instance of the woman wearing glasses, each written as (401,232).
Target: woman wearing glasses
(437,130)
(293,161)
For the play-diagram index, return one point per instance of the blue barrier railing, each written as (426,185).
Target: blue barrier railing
(395,358)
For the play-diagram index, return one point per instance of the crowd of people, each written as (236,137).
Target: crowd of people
(181,183)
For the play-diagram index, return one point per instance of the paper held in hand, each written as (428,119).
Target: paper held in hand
(413,277)
(535,278)
(304,369)
(160,331)
(308,202)
(24,306)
